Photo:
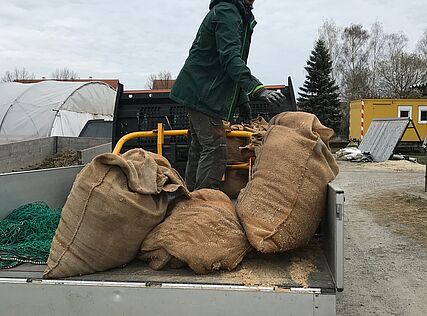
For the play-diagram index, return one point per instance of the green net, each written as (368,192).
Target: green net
(26,234)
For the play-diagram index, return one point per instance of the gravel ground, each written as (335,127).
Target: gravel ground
(385,240)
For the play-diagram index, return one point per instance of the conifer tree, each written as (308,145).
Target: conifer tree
(319,94)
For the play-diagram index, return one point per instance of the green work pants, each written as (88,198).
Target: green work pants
(207,157)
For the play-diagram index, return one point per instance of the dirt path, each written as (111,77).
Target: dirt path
(385,240)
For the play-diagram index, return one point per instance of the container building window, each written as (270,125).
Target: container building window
(405,111)
(422,114)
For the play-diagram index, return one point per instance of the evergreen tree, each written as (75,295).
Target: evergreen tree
(319,94)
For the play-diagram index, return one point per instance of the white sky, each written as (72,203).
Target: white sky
(129,40)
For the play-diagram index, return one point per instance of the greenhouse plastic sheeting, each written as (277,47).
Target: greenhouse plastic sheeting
(52,108)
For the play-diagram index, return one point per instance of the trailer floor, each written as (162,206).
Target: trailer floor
(301,268)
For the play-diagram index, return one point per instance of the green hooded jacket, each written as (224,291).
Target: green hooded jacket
(215,78)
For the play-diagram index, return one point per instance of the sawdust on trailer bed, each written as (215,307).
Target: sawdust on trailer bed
(272,269)
(300,269)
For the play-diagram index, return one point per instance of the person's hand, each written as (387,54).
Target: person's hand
(270,96)
(245,113)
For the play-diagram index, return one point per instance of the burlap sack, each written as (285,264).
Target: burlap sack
(281,207)
(202,231)
(256,125)
(239,151)
(233,150)
(235,181)
(253,149)
(114,203)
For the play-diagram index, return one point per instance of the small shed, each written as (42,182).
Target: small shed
(363,112)
(52,108)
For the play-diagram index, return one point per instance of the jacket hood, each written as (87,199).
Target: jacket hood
(238,3)
(215,2)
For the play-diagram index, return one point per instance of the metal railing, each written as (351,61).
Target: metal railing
(161,133)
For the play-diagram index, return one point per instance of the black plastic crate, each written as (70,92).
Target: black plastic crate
(143,110)
(172,116)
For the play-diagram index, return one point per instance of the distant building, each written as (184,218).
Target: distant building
(112,82)
(168,90)
(416,109)
(159,84)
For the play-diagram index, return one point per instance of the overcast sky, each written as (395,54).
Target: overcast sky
(129,40)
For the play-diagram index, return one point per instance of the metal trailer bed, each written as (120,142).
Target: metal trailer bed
(287,270)
(300,282)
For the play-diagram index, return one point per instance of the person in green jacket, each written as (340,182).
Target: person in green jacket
(213,82)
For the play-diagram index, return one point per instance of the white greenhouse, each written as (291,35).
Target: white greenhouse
(51,108)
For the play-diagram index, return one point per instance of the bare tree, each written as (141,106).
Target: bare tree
(422,45)
(395,53)
(17,74)
(160,80)
(396,44)
(400,73)
(352,64)
(371,63)
(64,74)
(377,43)
(330,34)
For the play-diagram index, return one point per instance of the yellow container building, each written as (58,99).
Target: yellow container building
(416,109)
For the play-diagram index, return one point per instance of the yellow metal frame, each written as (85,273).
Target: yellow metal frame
(160,133)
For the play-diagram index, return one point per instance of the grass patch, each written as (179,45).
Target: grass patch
(404,213)
(421,158)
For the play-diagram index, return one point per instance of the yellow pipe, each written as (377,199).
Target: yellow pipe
(241,166)
(160,138)
(239,134)
(178,132)
(129,137)
(161,133)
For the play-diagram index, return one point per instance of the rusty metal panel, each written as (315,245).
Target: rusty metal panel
(383,136)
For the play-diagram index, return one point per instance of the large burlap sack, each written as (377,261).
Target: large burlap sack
(202,231)
(282,206)
(114,203)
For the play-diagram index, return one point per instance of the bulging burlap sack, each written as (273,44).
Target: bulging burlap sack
(114,203)
(281,207)
(202,231)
